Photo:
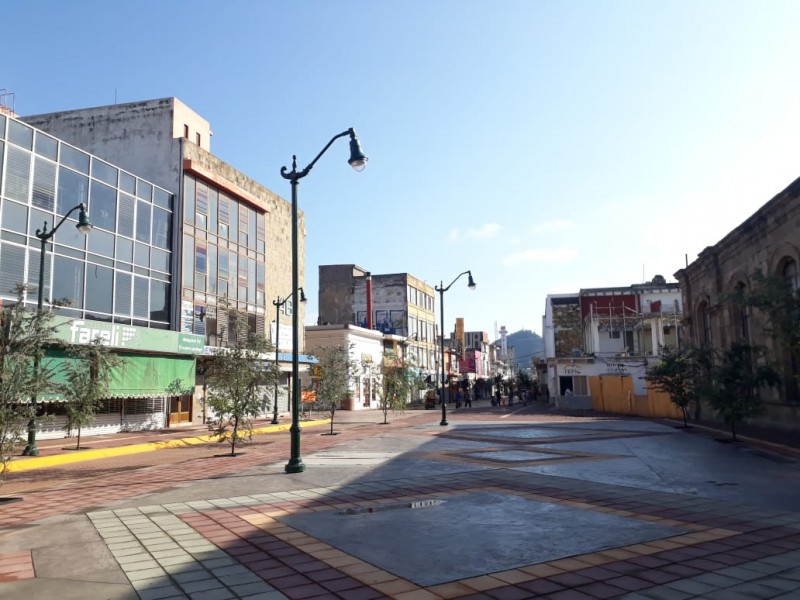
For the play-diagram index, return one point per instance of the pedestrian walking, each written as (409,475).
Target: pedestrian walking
(468,398)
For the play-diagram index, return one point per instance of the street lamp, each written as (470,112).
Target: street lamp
(278,303)
(84,226)
(441,289)
(358,161)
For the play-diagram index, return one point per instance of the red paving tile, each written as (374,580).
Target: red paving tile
(15,566)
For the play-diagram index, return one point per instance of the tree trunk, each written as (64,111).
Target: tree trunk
(78,445)
(733,430)
(683,410)
(333,412)
(233,436)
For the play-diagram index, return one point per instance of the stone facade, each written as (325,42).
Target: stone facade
(767,242)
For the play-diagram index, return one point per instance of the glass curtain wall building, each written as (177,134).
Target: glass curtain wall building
(224,262)
(121,271)
(115,283)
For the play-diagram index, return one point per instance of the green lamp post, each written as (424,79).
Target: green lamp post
(278,303)
(358,161)
(84,226)
(441,289)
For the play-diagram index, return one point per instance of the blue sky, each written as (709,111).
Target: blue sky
(546,146)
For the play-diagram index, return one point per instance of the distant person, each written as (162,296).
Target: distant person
(459,397)
(468,398)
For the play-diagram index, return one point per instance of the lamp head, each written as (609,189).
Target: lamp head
(357,159)
(471,282)
(302,295)
(84,226)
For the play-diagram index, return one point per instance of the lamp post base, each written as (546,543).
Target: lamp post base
(444,422)
(295,465)
(30,451)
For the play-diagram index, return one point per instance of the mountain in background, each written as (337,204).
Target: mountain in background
(527,344)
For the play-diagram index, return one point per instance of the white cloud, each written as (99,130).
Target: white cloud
(560,254)
(486,230)
(483,232)
(555,225)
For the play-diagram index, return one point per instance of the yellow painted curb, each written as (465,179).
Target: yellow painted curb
(19,464)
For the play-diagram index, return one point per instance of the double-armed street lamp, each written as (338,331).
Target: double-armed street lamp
(84,226)
(358,161)
(278,303)
(441,289)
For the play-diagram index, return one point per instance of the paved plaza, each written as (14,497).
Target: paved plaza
(501,504)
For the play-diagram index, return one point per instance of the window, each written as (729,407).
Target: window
(742,315)
(99,288)
(186,131)
(103,206)
(141,300)
(12,265)
(122,298)
(127,210)
(704,320)
(46,146)
(72,157)
(143,210)
(197,138)
(44,184)
(20,134)
(201,208)
(104,172)
(161,229)
(159,300)
(790,274)
(18,174)
(73,189)
(68,280)
(15,217)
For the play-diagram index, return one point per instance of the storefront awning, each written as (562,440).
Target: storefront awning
(140,376)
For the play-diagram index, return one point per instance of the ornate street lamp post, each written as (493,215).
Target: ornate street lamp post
(278,303)
(358,161)
(84,226)
(441,289)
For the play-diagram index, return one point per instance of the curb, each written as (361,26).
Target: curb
(18,464)
(781,448)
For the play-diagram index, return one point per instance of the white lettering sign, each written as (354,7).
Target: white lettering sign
(113,335)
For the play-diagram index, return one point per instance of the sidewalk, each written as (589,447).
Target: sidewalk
(502,504)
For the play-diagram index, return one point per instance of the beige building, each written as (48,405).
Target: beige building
(767,242)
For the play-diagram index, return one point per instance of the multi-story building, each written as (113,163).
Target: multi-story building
(117,282)
(611,332)
(230,241)
(397,304)
(765,243)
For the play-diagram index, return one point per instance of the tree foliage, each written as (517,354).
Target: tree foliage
(88,377)
(400,379)
(239,379)
(25,334)
(779,303)
(331,378)
(681,373)
(737,377)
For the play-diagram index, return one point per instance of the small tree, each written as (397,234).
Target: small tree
(24,336)
(239,379)
(399,381)
(331,378)
(737,378)
(680,373)
(88,378)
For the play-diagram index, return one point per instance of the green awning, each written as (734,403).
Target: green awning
(140,376)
